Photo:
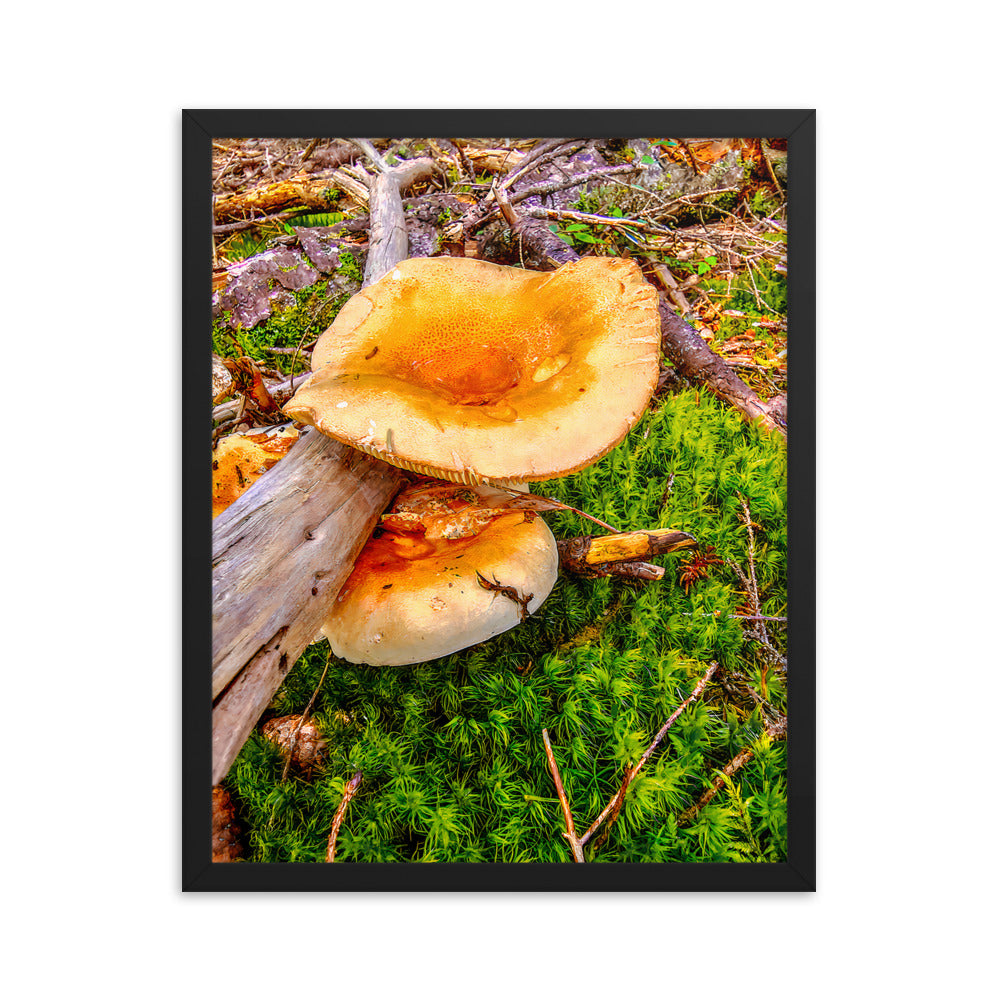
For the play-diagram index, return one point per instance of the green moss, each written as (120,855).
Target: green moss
(451,751)
(287,327)
(771,294)
(350,267)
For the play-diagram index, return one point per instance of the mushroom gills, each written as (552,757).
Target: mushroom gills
(488,373)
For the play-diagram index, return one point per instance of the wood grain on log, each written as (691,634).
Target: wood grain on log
(262,546)
(281,553)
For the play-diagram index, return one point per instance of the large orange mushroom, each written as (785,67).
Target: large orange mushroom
(479,373)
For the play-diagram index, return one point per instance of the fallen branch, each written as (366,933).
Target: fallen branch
(539,247)
(574,180)
(569,215)
(757,630)
(694,359)
(300,192)
(622,554)
(588,555)
(614,806)
(284,549)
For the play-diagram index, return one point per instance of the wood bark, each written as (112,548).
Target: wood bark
(303,192)
(593,550)
(621,554)
(281,553)
(694,359)
(284,549)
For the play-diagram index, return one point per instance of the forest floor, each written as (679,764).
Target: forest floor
(653,711)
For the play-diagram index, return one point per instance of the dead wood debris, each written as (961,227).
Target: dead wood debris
(613,808)
(500,200)
(350,790)
(509,220)
(775,729)
(227,844)
(621,554)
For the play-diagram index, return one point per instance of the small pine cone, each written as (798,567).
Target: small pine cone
(226,844)
(309,745)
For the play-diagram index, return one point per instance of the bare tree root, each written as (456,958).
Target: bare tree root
(694,359)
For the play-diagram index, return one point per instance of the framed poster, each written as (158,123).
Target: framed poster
(511,452)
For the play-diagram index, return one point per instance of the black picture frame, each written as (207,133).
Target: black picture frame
(198,872)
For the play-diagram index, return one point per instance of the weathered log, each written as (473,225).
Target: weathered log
(281,553)
(311,193)
(302,192)
(266,573)
(283,550)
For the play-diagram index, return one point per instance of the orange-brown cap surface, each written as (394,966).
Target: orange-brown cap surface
(241,459)
(439,579)
(475,372)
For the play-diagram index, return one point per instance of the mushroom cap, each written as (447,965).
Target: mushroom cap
(421,591)
(241,459)
(475,372)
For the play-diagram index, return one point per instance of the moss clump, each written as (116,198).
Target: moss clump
(451,753)
(297,318)
(761,295)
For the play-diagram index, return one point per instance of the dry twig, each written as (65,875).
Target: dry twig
(350,790)
(304,717)
(757,630)
(617,800)
(570,834)
(776,729)
(614,806)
